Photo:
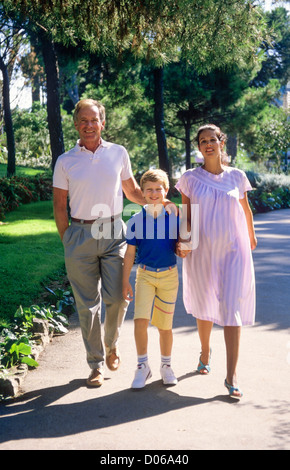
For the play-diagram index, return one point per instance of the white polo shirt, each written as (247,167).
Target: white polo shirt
(93,180)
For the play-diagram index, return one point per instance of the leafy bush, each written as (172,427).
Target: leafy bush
(14,351)
(32,136)
(271,192)
(23,190)
(16,343)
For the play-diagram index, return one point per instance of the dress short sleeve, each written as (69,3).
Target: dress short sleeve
(244,185)
(183,184)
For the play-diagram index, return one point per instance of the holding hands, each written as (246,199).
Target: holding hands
(182,249)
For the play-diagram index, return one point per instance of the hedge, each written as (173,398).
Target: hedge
(270,192)
(23,190)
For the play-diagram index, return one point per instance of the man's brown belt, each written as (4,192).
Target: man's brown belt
(82,221)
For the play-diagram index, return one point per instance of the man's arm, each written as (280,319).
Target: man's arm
(60,210)
(132,191)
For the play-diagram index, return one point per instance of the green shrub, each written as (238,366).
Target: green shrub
(16,342)
(23,190)
(271,192)
(15,351)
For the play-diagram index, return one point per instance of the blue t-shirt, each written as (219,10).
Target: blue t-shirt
(155,238)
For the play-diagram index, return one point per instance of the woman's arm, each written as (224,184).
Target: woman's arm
(250,221)
(187,207)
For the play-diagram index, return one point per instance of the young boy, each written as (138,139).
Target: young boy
(154,233)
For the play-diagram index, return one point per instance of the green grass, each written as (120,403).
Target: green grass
(20,171)
(30,252)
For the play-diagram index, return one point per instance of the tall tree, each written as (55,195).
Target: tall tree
(192,99)
(53,98)
(33,71)
(159,119)
(10,40)
(277,58)
(207,33)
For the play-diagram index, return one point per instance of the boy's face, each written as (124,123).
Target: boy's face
(154,192)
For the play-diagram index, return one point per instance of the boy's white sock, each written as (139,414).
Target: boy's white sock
(143,359)
(165,360)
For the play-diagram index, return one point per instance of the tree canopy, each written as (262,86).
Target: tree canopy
(208,33)
(194,60)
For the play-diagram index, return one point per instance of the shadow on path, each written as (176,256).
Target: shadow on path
(272,268)
(51,412)
(37,415)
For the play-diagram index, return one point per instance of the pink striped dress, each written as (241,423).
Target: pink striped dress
(218,276)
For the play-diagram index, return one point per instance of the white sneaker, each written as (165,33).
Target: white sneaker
(167,375)
(142,374)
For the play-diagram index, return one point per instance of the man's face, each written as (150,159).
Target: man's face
(89,127)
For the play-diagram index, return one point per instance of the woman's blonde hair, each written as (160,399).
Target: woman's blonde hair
(153,176)
(89,102)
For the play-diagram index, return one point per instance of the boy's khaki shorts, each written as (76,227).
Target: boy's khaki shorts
(160,288)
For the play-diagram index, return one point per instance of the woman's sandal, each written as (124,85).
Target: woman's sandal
(232,389)
(202,367)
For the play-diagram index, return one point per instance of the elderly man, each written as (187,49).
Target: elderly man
(93,175)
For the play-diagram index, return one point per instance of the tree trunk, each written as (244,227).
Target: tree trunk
(159,120)
(232,147)
(53,100)
(35,89)
(11,166)
(187,145)
(72,89)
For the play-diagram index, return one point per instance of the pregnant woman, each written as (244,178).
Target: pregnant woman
(218,276)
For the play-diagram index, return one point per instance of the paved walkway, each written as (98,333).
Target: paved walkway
(57,411)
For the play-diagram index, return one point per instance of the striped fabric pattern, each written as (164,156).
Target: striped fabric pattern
(163,306)
(218,277)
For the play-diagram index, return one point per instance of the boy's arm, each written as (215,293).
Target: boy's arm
(129,259)
(250,222)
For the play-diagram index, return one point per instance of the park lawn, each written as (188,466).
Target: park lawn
(20,171)
(30,253)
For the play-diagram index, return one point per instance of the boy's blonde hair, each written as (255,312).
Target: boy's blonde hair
(153,176)
(89,102)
